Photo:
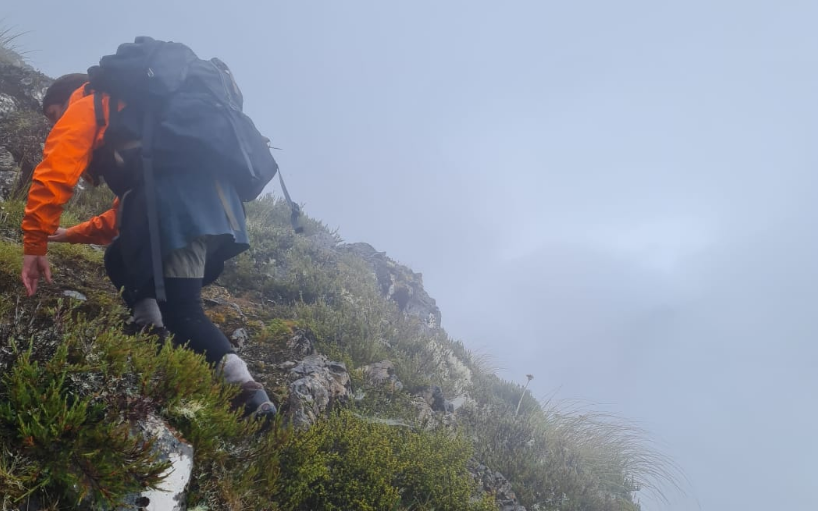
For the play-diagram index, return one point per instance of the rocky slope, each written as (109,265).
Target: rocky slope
(346,339)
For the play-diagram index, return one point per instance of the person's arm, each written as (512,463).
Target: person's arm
(100,230)
(68,150)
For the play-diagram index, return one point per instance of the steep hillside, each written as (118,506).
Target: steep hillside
(380,408)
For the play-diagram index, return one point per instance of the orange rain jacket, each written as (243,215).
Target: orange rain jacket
(67,153)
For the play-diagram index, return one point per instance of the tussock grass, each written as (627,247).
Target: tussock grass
(612,445)
(10,49)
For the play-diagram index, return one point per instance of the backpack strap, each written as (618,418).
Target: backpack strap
(295,211)
(113,108)
(150,199)
(99,112)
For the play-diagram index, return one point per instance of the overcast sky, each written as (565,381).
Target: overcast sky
(618,197)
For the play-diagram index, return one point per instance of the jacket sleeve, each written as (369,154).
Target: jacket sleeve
(68,150)
(100,230)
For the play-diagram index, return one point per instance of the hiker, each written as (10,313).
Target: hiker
(203,224)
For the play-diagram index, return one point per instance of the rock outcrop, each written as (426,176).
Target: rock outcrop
(318,384)
(433,395)
(382,373)
(400,284)
(22,127)
(496,484)
(170,495)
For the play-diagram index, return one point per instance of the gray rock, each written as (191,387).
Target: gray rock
(434,397)
(170,494)
(379,372)
(7,163)
(23,128)
(461,401)
(8,178)
(424,412)
(495,483)
(20,84)
(429,419)
(240,337)
(76,295)
(302,343)
(400,284)
(7,105)
(382,374)
(317,385)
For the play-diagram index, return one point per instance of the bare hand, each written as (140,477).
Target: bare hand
(59,236)
(33,267)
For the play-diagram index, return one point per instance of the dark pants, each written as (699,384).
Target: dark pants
(182,313)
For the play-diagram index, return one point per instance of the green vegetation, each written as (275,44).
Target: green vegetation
(557,459)
(72,388)
(347,462)
(74,385)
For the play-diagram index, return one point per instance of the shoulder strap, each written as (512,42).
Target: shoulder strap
(99,112)
(150,199)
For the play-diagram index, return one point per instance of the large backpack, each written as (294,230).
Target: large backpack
(192,108)
(186,114)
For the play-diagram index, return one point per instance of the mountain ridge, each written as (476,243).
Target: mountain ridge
(347,340)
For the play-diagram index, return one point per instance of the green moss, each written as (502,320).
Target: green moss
(278,330)
(348,462)
(69,398)
(11,258)
(82,447)
(70,254)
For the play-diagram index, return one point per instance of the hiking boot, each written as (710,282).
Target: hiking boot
(160,332)
(255,401)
